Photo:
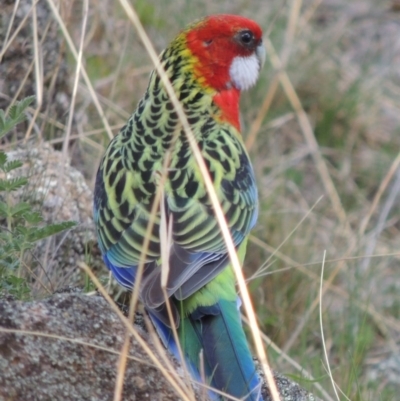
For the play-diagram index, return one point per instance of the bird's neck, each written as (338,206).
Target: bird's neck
(228,102)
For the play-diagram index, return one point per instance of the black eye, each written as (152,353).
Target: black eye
(246,37)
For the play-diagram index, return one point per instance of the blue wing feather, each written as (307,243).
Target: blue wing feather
(125,276)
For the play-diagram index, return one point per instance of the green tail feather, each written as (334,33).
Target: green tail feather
(227,361)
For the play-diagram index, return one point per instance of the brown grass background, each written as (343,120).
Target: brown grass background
(322,128)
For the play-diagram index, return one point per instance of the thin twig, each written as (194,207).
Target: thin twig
(38,63)
(6,43)
(322,327)
(78,69)
(380,225)
(83,70)
(382,187)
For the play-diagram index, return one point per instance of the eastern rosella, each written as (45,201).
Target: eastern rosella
(208,65)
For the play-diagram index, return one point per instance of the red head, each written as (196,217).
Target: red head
(228,55)
(228,49)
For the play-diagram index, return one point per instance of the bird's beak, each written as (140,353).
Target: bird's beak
(261,54)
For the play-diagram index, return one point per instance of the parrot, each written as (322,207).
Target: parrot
(209,64)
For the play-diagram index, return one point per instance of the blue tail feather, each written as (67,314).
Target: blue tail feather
(167,337)
(226,350)
(217,332)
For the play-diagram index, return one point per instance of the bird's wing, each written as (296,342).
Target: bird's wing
(123,198)
(198,251)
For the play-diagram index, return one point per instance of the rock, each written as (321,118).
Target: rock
(289,390)
(40,367)
(40,358)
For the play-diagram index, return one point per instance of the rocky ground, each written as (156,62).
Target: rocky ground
(67,347)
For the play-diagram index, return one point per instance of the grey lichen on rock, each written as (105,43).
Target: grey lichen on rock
(40,367)
(290,390)
(49,368)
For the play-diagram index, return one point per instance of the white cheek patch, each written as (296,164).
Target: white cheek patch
(244,71)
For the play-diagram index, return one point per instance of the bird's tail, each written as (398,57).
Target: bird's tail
(216,333)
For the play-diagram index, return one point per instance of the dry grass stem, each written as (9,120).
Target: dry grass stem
(121,369)
(322,327)
(7,42)
(67,134)
(260,270)
(71,340)
(382,187)
(85,76)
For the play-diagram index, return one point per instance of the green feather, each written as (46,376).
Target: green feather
(221,287)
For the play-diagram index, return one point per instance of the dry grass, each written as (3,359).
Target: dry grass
(322,121)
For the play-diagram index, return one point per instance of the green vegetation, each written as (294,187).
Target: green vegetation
(21,224)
